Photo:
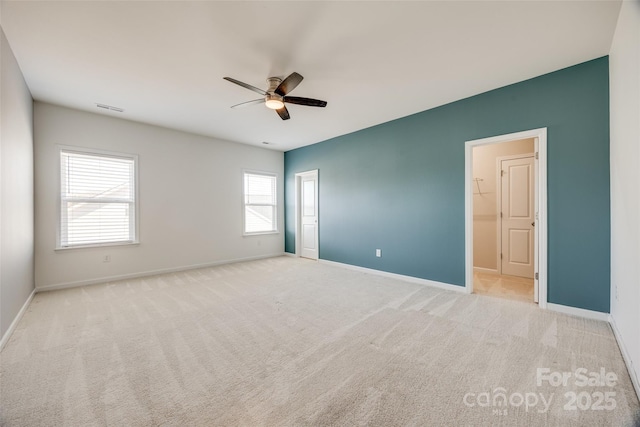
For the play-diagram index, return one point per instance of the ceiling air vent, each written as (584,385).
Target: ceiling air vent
(110,107)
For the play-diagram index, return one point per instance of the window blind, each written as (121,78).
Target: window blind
(259,203)
(97,199)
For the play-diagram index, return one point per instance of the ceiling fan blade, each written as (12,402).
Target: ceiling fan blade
(246,104)
(283,113)
(289,84)
(245,85)
(305,101)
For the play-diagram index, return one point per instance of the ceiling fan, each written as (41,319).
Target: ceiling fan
(276,94)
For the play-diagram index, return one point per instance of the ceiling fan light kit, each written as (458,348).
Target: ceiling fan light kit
(274,102)
(276,94)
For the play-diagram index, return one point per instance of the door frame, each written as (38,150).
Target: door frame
(298,198)
(499,161)
(540,247)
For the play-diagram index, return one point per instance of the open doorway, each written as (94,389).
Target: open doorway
(505,197)
(504,219)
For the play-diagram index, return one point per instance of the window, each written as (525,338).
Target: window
(260,203)
(97,199)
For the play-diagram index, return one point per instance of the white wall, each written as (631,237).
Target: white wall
(485,205)
(624,64)
(190,198)
(16,193)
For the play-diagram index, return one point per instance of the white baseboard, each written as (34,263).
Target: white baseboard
(485,270)
(580,312)
(149,273)
(14,324)
(417,280)
(625,356)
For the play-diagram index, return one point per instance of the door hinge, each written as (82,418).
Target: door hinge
(500,256)
(500,214)
(501,173)
(536,155)
(536,276)
(536,216)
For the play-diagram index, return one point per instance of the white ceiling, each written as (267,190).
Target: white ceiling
(163,62)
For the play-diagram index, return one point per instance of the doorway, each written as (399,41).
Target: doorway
(307,244)
(505,215)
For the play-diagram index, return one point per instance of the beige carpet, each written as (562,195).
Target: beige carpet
(290,342)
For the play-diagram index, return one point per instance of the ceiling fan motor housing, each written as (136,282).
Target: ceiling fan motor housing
(273,83)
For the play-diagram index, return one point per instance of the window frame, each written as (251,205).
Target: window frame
(276,229)
(133,222)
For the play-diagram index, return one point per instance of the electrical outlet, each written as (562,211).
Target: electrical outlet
(106,258)
(378,253)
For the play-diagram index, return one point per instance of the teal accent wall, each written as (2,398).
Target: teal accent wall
(399,186)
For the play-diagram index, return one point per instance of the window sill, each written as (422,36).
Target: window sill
(262,233)
(97,245)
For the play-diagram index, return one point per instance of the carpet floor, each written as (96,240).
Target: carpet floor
(292,342)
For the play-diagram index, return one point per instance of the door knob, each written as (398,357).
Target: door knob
(533,224)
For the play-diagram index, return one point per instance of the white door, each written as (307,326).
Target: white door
(518,216)
(308,214)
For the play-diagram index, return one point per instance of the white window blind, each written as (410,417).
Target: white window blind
(97,199)
(259,203)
